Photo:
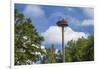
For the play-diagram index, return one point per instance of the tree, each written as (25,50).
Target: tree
(80,50)
(59,57)
(70,51)
(51,56)
(27,40)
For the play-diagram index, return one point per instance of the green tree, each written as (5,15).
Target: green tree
(27,40)
(59,57)
(51,56)
(80,50)
(70,51)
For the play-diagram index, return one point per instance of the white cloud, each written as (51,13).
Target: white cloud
(37,15)
(33,11)
(53,35)
(88,22)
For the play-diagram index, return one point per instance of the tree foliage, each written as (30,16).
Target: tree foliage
(80,50)
(27,40)
(50,55)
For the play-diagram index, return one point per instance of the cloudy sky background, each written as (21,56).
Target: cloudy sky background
(44,18)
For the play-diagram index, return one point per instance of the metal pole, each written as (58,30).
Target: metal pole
(63,51)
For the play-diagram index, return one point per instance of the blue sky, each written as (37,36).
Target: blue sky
(45,17)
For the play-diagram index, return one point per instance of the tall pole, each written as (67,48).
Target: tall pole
(63,51)
(62,23)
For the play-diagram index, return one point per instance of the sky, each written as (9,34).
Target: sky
(45,17)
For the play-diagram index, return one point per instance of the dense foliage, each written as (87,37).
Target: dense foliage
(80,50)
(27,40)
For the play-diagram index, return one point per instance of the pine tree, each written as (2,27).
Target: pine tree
(27,40)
